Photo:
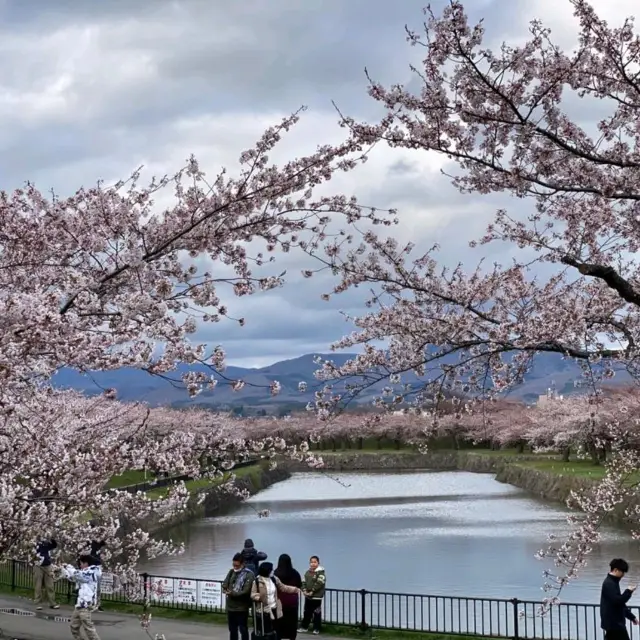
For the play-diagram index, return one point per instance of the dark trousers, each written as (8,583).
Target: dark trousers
(288,624)
(238,623)
(616,634)
(312,612)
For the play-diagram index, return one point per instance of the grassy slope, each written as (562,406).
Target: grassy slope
(128,478)
(194,486)
(538,461)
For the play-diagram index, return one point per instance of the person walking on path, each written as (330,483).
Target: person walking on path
(237,589)
(314,585)
(288,623)
(614,611)
(43,575)
(251,556)
(266,593)
(86,579)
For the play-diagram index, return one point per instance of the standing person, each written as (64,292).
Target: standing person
(288,623)
(266,592)
(95,552)
(614,611)
(237,589)
(251,556)
(43,574)
(86,579)
(314,585)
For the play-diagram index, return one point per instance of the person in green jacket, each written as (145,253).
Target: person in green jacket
(314,585)
(237,589)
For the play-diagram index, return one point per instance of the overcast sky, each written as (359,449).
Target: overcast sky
(92,90)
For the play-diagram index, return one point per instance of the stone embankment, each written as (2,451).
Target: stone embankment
(218,501)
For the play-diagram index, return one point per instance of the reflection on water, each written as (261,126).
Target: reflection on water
(449,533)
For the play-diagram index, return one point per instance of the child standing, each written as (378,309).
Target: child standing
(86,577)
(314,585)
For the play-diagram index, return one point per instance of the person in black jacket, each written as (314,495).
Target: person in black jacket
(288,623)
(614,611)
(252,557)
(43,574)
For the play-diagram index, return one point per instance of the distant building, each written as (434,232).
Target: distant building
(550,396)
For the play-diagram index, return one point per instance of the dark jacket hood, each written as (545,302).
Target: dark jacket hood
(248,543)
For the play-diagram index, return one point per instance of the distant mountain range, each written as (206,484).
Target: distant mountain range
(135,385)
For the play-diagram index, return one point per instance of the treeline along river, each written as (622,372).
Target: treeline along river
(441,533)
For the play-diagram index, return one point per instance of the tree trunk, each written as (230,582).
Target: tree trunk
(566,453)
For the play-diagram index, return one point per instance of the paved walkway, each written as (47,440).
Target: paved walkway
(54,625)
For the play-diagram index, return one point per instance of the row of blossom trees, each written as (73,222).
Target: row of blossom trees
(583,424)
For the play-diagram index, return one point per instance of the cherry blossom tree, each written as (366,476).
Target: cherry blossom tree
(106,278)
(496,423)
(61,449)
(499,116)
(507,120)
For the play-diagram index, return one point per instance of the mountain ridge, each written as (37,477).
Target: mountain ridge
(137,385)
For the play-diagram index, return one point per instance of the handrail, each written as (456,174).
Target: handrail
(438,614)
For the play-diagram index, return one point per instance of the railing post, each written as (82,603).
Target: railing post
(516,618)
(363,610)
(13,575)
(145,592)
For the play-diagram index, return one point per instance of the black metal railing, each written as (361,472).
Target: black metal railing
(448,615)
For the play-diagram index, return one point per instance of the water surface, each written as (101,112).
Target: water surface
(444,533)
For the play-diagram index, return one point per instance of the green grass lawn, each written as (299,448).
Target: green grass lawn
(546,462)
(128,478)
(576,468)
(368,452)
(501,453)
(194,486)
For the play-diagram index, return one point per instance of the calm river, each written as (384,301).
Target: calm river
(441,533)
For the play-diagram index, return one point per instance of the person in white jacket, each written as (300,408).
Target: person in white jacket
(86,579)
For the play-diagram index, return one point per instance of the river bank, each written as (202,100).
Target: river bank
(218,500)
(542,476)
